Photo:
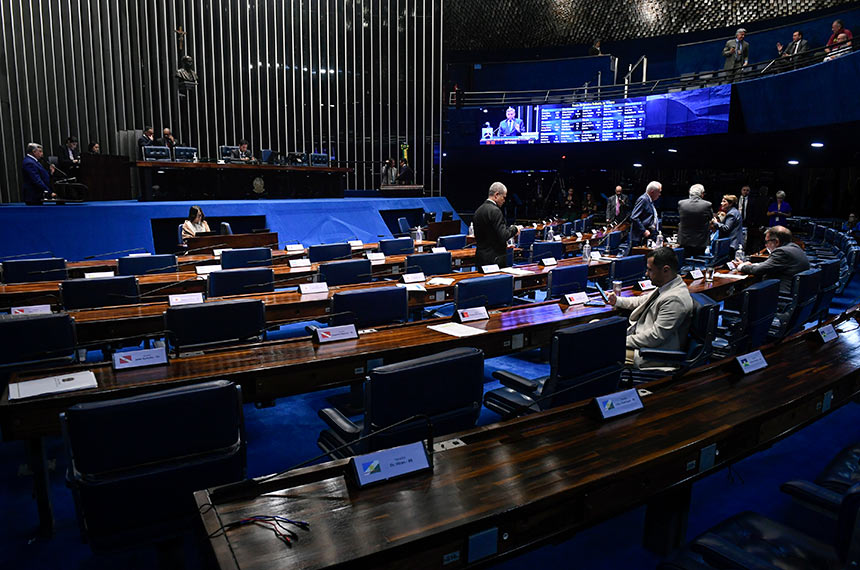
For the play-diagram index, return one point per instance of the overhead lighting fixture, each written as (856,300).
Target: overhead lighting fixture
(794,162)
(672,150)
(817,145)
(637,165)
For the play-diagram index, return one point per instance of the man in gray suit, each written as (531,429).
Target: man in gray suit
(617,206)
(736,52)
(786,259)
(694,225)
(661,319)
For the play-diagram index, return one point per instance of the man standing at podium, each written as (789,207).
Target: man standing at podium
(491,232)
(511,126)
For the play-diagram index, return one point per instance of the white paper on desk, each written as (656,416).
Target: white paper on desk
(412,286)
(730,275)
(441,281)
(456,329)
(52,385)
(517,272)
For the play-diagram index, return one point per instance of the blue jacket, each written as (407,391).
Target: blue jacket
(733,228)
(37,180)
(642,219)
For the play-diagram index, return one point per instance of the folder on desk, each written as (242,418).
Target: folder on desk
(52,385)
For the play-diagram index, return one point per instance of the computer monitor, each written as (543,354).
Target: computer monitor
(184,153)
(226,151)
(319,159)
(153,153)
(297,159)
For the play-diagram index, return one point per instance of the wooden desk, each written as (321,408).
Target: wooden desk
(544,476)
(206,244)
(435,230)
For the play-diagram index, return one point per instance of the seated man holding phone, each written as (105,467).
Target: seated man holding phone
(660,319)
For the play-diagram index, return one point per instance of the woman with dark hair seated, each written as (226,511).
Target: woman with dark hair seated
(195,223)
(93,148)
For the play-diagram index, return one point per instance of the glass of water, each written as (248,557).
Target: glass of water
(616,287)
(709,274)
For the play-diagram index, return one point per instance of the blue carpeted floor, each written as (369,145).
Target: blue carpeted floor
(286,434)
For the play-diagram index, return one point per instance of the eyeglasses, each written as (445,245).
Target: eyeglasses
(770,240)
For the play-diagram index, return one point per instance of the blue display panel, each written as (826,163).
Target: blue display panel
(686,113)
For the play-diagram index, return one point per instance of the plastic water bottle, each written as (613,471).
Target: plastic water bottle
(194,156)
(419,234)
(659,241)
(471,229)
(586,251)
(549,234)
(739,254)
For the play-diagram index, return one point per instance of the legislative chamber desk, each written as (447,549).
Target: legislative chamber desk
(544,477)
(206,244)
(166,180)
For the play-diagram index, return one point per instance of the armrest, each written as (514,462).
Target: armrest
(730,313)
(516,382)
(662,354)
(339,423)
(814,495)
(712,546)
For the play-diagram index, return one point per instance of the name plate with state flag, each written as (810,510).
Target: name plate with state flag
(309,288)
(548,261)
(617,404)
(751,362)
(32,310)
(493,268)
(206,269)
(595,255)
(355,244)
(827,333)
(388,464)
(413,277)
(697,274)
(439,250)
(333,334)
(473,314)
(98,274)
(138,358)
(292,247)
(298,263)
(645,285)
(578,235)
(576,298)
(184,299)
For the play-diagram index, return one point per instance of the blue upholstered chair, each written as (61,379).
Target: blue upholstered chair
(526,238)
(566,279)
(566,229)
(403,225)
(457,241)
(32,270)
(543,249)
(429,263)
(99,292)
(830,485)
(36,340)
(226,229)
(397,246)
(190,327)
(828,285)
(159,448)
(585,361)
(240,282)
(611,244)
(179,240)
(225,151)
(490,291)
(746,328)
(720,252)
(346,272)
(796,309)
(628,270)
(579,226)
(329,252)
(446,387)
(246,257)
(146,264)
(370,307)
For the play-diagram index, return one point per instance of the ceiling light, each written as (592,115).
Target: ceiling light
(817,145)
(793,162)
(673,150)
(637,165)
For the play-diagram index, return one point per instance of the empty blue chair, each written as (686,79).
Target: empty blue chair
(226,229)
(240,282)
(329,252)
(99,292)
(544,249)
(404,226)
(429,263)
(585,361)
(720,252)
(565,229)
(397,246)
(226,151)
(246,257)
(827,288)
(32,270)
(159,447)
(565,280)
(457,241)
(628,269)
(611,244)
(799,306)
(36,340)
(489,291)
(190,327)
(579,226)
(746,329)
(346,272)
(526,238)
(146,264)
(370,307)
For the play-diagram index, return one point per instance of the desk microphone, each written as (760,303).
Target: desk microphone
(27,255)
(168,286)
(114,253)
(248,488)
(215,246)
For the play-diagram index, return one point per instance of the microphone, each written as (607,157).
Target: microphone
(247,488)
(216,246)
(332,317)
(114,253)
(27,255)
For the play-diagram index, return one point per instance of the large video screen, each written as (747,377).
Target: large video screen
(685,113)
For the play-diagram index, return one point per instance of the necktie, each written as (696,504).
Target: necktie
(617,206)
(510,126)
(796,46)
(743,208)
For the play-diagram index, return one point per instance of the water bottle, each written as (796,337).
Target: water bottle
(660,239)
(194,156)
(419,234)
(586,251)
(739,254)
(549,234)
(471,229)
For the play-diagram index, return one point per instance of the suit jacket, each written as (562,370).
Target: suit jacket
(642,219)
(693,230)
(783,263)
(789,49)
(731,62)
(610,207)
(662,323)
(64,160)
(36,183)
(517,129)
(169,143)
(238,154)
(732,227)
(491,235)
(405,176)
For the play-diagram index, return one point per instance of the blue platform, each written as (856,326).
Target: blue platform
(74,231)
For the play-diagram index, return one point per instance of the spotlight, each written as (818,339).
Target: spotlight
(672,149)
(817,145)
(637,165)
(564,156)
(793,162)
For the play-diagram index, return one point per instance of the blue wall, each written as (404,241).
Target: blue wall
(75,231)
(526,75)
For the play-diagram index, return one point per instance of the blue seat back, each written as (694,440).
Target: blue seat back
(804,293)
(567,279)
(628,269)
(566,229)
(457,241)
(179,240)
(346,272)
(526,238)
(679,253)
(370,307)
(827,287)
(329,252)
(32,270)
(489,291)
(146,264)
(759,308)
(226,229)
(588,222)
(429,263)
(240,282)
(99,292)
(703,330)
(544,249)
(579,226)
(28,339)
(720,250)
(397,246)
(226,151)
(613,242)
(246,257)
(403,225)
(192,326)
(589,356)
(446,387)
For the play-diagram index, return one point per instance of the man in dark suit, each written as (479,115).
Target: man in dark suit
(491,232)
(786,259)
(405,175)
(69,155)
(37,179)
(796,46)
(694,224)
(243,153)
(146,139)
(511,126)
(643,220)
(617,206)
(736,52)
(167,139)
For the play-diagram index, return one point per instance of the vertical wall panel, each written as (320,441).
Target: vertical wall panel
(351,78)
